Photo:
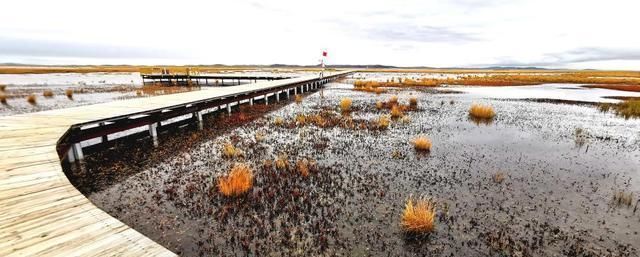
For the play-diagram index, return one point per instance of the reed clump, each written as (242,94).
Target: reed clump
(413,102)
(278,121)
(345,104)
(481,111)
(396,112)
(282,162)
(69,93)
(422,143)
(622,198)
(383,122)
(498,177)
(626,109)
(47,93)
(32,99)
(230,151)
(418,216)
(237,182)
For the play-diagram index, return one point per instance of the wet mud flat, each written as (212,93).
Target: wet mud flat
(561,166)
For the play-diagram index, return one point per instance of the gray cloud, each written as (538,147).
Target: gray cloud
(579,55)
(422,34)
(11,46)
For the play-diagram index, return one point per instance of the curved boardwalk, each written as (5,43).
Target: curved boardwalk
(41,213)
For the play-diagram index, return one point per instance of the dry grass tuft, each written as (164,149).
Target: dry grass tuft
(282,162)
(393,100)
(413,102)
(260,136)
(47,93)
(422,143)
(622,198)
(3,98)
(32,99)
(3,88)
(383,122)
(379,105)
(498,177)
(301,119)
(229,151)
(345,104)
(239,181)
(69,93)
(419,216)
(298,99)
(396,111)
(302,166)
(278,121)
(481,111)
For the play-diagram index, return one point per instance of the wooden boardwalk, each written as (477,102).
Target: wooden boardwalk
(41,213)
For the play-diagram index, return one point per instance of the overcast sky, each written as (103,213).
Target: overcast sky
(461,33)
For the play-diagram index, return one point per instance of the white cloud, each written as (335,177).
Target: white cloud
(467,33)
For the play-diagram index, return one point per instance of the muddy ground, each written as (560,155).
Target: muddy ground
(563,164)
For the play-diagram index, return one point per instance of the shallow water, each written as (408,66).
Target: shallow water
(565,92)
(555,201)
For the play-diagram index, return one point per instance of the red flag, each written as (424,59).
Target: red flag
(324,53)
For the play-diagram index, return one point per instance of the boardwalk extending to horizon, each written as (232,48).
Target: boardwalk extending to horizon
(42,214)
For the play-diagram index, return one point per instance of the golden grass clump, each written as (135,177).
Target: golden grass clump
(498,177)
(278,121)
(383,122)
(301,119)
(345,104)
(379,105)
(229,151)
(422,143)
(413,102)
(298,99)
(260,136)
(396,112)
(393,100)
(47,93)
(69,93)
(481,111)
(302,166)
(32,99)
(419,216)
(3,98)
(239,181)
(282,162)
(622,198)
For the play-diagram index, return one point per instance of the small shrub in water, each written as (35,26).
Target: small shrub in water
(278,121)
(345,104)
(498,177)
(69,93)
(47,93)
(481,111)
(31,99)
(237,182)
(422,143)
(413,102)
(419,216)
(229,151)
(396,112)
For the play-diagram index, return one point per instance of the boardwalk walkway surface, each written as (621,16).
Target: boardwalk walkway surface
(41,213)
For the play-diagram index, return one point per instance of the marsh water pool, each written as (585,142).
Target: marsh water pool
(563,164)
